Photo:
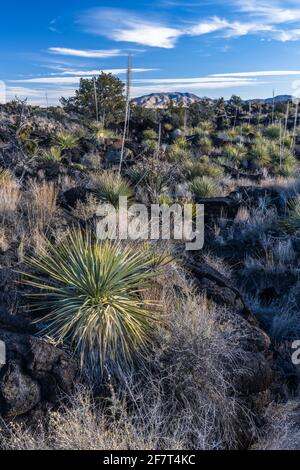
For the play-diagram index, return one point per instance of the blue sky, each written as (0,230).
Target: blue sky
(207,47)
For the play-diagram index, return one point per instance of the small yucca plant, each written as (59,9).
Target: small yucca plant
(53,154)
(236,153)
(292,221)
(95,294)
(202,167)
(272,132)
(150,134)
(111,187)
(66,140)
(204,127)
(260,152)
(205,144)
(205,187)
(101,134)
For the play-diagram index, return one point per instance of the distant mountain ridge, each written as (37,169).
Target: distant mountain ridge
(163,100)
(277,99)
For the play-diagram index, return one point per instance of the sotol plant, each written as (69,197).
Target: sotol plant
(66,140)
(205,187)
(96,297)
(111,187)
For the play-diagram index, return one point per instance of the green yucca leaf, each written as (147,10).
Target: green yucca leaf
(94,297)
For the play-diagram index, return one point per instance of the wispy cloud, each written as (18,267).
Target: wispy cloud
(61,79)
(197,86)
(230,28)
(210,79)
(103,54)
(92,73)
(269,73)
(249,17)
(121,25)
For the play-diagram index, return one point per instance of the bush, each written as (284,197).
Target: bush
(272,132)
(260,153)
(292,221)
(94,294)
(202,167)
(66,140)
(150,134)
(182,398)
(111,187)
(205,144)
(236,153)
(178,154)
(204,187)
(53,154)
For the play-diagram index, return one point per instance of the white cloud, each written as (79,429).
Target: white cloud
(37,96)
(76,76)
(229,28)
(273,12)
(121,25)
(269,73)
(194,86)
(287,35)
(85,53)
(210,79)
(92,73)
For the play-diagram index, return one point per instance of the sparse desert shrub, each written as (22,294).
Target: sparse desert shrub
(204,187)
(101,134)
(66,140)
(259,152)
(178,154)
(164,199)
(283,161)
(292,220)
(204,127)
(168,127)
(41,206)
(150,134)
(202,167)
(111,187)
(53,154)
(281,430)
(205,144)
(94,298)
(86,210)
(181,398)
(149,145)
(272,132)
(9,195)
(235,153)
(248,130)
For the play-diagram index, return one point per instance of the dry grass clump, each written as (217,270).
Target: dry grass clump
(4,243)
(86,210)
(41,205)
(182,398)
(282,430)
(9,196)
